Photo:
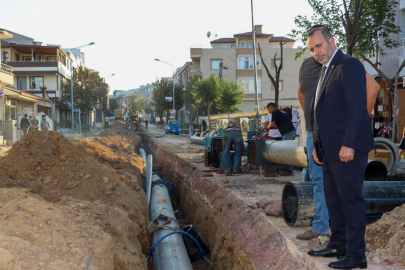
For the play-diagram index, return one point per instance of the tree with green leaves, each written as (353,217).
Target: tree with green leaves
(191,104)
(357,25)
(164,89)
(112,106)
(208,90)
(230,96)
(90,92)
(136,102)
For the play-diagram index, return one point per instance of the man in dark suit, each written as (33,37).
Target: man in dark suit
(342,138)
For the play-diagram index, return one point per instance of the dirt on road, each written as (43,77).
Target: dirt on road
(73,203)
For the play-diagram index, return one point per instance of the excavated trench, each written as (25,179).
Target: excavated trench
(237,234)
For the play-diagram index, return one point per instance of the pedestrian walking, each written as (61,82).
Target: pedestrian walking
(25,124)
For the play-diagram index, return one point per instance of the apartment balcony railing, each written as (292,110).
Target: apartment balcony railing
(6,68)
(195,70)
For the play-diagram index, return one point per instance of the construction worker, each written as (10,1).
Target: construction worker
(232,137)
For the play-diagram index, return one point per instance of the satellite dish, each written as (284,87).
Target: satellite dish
(208,34)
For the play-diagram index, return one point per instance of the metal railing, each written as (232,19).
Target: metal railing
(195,70)
(6,68)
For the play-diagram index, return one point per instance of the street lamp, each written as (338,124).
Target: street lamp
(173,82)
(255,68)
(71,84)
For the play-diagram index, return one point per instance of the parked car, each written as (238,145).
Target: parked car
(142,119)
(112,118)
(173,126)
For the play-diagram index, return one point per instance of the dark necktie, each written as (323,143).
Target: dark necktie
(318,95)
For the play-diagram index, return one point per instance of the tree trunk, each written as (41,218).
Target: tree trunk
(209,114)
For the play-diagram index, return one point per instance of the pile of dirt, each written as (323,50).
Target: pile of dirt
(385,237)
(117,153)
(53,167)
(36,234)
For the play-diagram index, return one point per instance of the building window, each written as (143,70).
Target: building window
(233,46)
(246,62)
(278,62)
(280,86)
(5,56)
(17,57)
(36,82)
(248,85)
(250,44)
(215,64)
(21,83)
(27,58)
(287,46)
(218,47)
(242,44)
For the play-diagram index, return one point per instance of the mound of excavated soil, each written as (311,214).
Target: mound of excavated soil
(36,234)
(52,166)
(386,236)
(115,152)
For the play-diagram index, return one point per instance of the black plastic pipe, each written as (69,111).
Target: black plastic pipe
(298,200)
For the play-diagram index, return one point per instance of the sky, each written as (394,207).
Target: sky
(130,34)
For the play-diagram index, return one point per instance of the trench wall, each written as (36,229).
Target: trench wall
(238,235)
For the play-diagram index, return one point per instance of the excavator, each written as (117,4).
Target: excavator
(133,118)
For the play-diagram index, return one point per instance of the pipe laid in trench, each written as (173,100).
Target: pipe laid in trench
(171,253)
(298,200)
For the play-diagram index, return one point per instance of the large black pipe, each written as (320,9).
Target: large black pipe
(298,200)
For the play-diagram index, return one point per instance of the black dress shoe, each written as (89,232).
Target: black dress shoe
(350,263)
(327,252)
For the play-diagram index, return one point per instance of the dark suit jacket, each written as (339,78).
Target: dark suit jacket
(341,112)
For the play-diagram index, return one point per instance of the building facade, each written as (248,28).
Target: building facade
(232,59)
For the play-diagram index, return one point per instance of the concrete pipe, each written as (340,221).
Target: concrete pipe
(197,140)
(298,200)
(149,167)
(171,253)
(285,152)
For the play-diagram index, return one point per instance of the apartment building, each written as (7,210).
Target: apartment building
(14,103)
(236,56)
(36,67)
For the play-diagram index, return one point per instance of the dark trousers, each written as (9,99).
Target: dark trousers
(343,183)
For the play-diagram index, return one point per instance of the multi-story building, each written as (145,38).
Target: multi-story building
(236,57)
(14,103)
(36,67)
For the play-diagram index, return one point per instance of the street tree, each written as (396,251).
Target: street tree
(112,106)
(136,102)
(208,91)
(358,27)
(163,89)
(275,80)
(190,102)
(230,96)
(90,92)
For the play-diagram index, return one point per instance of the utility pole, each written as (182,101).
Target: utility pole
(221,67)
(255,68)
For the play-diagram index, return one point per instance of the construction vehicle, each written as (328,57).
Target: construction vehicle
(133,118)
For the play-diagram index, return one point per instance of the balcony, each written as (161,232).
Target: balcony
(195,54)
(6,75)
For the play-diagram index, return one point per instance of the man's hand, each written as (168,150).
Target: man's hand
(346,154)
(315,157)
